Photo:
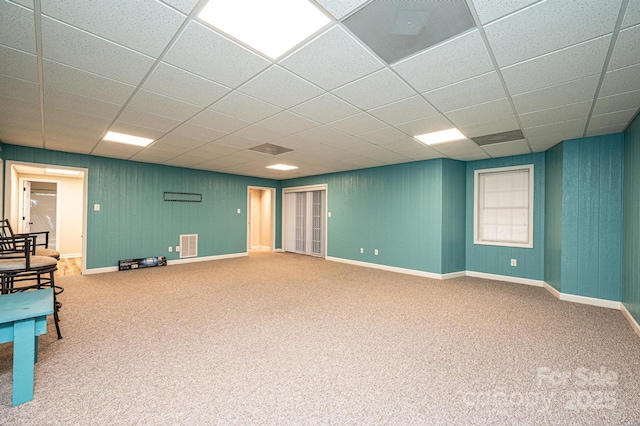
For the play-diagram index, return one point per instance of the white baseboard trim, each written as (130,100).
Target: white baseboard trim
(170,262)
(279,250)
(392,268)
(206,258)
(634,324)
(593,301)
(551,290)
(260,247)
(506,278)
(69,255)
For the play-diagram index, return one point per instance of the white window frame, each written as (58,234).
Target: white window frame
(476,206)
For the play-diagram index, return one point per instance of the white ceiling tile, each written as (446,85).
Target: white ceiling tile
(138,117)
(18,107)
(632,17)
(377,89)
(556,115)
(85,83)
(58,99)
(179,84)
(152,157)
(619,102)
(280,87)
(454,60)
(488,10)
(340,8)
(146,27)
(543,143)
(477,114)
(385,136)
(612,119)
(26,3)
(293,142)
(183,142)
(332,59)
(218,121)
(626,51)
(358,123)
(185,6)
(288,122)
(236,141)
(472,157)
(349,143)
(490,127)
(462,147)
(558,67)
(409,109)
(570,92)
(563,23)
(163,105)
(91,53)
(191,130)
(425,125)
(506,149)
(565,130)
(115,150)
(606,130)
(67,144)
(421,153)
(325,109)
(20,122)
(260,134)
(18,64)
(322,134)
(213,150)
(17,29)
(70,123)
(19,89)
(622,80)
(245,107)
(380,154)
(403,145)
(473,91)
(199,50)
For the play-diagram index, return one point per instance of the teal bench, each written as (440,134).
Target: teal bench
(23,317)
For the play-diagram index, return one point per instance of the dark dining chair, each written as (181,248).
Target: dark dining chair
(40,246)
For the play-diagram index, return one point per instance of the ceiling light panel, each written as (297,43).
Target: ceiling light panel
(397,29)
(127,139)
(442,136)
(283,167)
(271,27)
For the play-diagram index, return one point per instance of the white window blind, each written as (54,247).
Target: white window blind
(504,206)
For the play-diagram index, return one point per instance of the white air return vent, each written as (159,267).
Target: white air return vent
(188,245)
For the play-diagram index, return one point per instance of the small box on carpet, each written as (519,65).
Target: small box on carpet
(147,262)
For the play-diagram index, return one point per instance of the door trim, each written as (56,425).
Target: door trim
(21,204)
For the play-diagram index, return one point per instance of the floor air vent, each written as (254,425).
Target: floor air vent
(188,245)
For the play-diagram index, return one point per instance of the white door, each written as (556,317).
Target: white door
(305,222)
(26,207)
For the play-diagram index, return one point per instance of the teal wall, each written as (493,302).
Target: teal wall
(553,217)
(631,225)
(592,216)
(496,259)
(135,222)
(400,211)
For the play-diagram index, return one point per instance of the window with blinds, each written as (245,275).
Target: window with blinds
(503,213)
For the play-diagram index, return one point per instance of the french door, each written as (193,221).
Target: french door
(304,222)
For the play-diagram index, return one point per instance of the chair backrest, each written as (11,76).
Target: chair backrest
(17,247)
(7,231)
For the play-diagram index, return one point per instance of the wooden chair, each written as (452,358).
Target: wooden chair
(20,270)
(40,245)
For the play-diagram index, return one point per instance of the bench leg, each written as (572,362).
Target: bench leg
(23,358)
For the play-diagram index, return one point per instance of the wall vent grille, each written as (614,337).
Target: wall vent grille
(188,245)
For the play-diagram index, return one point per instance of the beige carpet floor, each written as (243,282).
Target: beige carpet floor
(280,339)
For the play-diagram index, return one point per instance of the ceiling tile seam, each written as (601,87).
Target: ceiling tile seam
(605,66)
(37,24)
(153,67)
(494,61)
(510,14)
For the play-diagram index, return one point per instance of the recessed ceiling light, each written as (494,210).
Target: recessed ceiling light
(272,27)
(128,139)
(449,135)
(282,167)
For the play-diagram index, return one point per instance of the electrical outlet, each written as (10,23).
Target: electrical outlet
(375,252)
(177,249)
(514,262)
(170,249)
(361,250)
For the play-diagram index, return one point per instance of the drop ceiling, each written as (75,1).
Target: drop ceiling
(553,69)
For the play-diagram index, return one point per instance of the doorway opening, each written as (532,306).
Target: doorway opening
(261,216)
(41,197)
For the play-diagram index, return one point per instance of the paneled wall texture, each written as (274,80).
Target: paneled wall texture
(631,221)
